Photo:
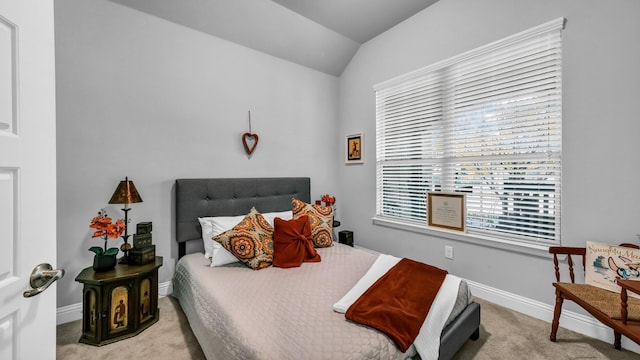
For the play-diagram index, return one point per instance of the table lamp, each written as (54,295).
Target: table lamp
(126,193)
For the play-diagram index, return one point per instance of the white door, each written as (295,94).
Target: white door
(27,177)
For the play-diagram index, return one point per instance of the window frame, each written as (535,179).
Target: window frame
(516,243)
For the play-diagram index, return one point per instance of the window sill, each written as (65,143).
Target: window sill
(538,250)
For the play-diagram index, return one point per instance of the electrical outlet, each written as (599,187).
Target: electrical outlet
(448,252)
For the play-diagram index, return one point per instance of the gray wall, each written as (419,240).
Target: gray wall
(601,128)
(141,97)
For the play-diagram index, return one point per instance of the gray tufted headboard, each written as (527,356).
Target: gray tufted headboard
(230,197)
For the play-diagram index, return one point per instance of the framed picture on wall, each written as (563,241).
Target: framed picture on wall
(354,150)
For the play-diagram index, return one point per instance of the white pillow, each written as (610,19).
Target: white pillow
(284,215)
(221,256)
(212,226)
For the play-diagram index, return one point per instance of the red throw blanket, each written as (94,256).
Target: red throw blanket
(398,302)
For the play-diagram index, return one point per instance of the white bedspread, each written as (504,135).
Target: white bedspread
(426,344)
(274,313)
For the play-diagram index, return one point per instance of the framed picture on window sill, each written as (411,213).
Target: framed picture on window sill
(354,150)
(446,210)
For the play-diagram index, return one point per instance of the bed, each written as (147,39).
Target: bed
(275,313)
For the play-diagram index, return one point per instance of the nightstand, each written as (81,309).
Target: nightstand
(346,237)
(120,303)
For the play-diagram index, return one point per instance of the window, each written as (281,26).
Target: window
(486,123)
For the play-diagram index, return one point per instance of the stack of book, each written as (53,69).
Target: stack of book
(143,251)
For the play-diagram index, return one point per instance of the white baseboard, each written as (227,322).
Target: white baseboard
(583,324)
(579,323)
(69,313)
(73,312)
(165,288)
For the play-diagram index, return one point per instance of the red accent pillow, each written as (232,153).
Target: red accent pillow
(292,242)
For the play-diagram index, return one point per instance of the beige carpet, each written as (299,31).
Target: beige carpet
(504,334)
(169,338)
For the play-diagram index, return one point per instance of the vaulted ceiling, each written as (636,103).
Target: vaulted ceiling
(319,34)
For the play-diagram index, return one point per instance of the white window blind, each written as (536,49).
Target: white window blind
(486,123)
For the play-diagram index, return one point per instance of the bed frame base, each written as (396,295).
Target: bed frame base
(465,326)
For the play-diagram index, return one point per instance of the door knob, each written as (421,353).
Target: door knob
(41,278)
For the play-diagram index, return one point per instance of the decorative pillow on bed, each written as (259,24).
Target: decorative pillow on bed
(212,226)
(251,241)
(321,219)
(292,242)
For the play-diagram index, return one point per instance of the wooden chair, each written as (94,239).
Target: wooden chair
(614,310)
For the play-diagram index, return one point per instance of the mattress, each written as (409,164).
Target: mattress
(275,313)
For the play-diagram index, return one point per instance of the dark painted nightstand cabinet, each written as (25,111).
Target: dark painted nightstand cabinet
(120,303)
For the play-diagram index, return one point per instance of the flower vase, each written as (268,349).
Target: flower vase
(104,262)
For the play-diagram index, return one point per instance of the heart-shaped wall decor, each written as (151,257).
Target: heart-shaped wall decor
(250,141)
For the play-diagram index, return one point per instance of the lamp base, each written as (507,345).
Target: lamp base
(125,250)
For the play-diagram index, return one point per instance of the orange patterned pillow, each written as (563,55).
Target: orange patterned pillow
(251,241)
(321,219)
